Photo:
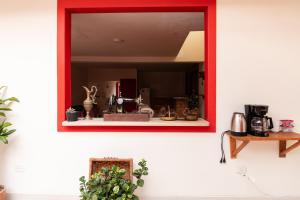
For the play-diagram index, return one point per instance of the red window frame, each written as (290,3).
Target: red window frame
(67,7)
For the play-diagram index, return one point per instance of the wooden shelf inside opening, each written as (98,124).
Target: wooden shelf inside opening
(152,122)
(281,137)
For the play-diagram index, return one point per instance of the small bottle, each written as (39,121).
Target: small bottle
(120,104)
(112,104)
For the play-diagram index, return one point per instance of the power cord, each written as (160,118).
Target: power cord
(245,175)
(223,159)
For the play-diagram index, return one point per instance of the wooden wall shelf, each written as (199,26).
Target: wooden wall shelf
(281,137)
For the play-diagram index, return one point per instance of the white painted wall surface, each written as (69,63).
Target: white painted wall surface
(257,62)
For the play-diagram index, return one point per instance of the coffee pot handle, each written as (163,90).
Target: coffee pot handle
(270,122)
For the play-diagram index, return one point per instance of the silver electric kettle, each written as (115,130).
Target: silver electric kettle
(238,124)
(238,128)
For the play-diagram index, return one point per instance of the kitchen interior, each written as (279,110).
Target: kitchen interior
(138,67)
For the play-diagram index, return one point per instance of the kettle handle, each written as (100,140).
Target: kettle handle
(270,122)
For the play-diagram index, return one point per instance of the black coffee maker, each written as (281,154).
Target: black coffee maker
(258,124)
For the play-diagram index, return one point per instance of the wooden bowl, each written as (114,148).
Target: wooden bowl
(191,117)
(168,118)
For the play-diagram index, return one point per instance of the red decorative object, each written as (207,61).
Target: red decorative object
(286,125)
(67,7)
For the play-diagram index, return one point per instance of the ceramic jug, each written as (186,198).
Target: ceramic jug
(90,100)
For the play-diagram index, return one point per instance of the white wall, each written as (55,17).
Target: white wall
(257,62)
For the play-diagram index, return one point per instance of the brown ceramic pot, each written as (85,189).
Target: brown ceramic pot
(2,193)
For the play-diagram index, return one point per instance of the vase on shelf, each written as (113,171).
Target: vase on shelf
(90,100)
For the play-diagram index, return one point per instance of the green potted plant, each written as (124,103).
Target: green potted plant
(110,184)
(5,131)
(72,115)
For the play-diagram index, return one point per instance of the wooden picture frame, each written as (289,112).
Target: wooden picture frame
(97,163)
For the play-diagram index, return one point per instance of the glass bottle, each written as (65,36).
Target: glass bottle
(120,104)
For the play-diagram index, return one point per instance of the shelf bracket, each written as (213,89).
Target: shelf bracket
(283,150)
(234,150)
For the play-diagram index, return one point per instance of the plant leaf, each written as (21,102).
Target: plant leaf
(2,114)
(6,124)
(4,139)
(94,197)
(140,182)
(126,187)
(5,109)
(2,87)
(116,189)
(12,99)
(9,132)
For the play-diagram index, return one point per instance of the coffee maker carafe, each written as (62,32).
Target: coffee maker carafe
(258,124)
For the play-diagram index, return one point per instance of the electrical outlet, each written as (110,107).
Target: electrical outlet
(19,169)
(242,171)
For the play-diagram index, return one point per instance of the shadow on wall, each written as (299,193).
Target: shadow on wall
(2,160)
(4,148)
(32,7)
